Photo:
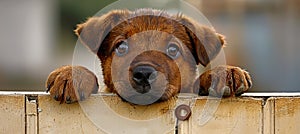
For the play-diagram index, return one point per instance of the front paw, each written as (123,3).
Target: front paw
(69,84)
(226,81)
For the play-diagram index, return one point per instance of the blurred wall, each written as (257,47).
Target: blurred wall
(262,37)
(26,42)
(37,36)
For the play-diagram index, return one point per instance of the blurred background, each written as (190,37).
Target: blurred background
(37,37)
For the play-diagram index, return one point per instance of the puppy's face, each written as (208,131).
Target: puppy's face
(145,66)
(148,55)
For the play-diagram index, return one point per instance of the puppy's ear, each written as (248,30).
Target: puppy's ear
(205,41)
(92,32)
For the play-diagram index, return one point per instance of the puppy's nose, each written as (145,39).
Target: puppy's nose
(144,75)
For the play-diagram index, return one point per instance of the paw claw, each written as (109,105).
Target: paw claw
(226,91)
(249,82)
(240,90)
(68,100)
(55,97)
(49,87)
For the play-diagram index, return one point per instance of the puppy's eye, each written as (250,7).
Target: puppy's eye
(122,48)
(173,51)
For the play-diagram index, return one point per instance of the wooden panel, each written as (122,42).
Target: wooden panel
(230,116)
(120,117)
(12,114)
(63,118)
(233,116)
(287,115)
(269,116)
(31,114)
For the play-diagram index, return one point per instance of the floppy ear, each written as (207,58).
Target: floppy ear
(205,41)
(93,32)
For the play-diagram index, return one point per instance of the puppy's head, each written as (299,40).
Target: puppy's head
(149,55)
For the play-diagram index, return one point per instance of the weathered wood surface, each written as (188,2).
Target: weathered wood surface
(12,114)
(38,113)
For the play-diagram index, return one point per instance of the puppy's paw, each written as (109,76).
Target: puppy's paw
(226,81)
(69,84)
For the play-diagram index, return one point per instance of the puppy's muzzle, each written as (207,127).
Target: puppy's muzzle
(144,76)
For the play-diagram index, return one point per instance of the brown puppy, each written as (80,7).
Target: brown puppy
(148,56)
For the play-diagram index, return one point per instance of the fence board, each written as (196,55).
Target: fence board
(287,115)
(233,116)
(38,113)
(12,114)
(63,118)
